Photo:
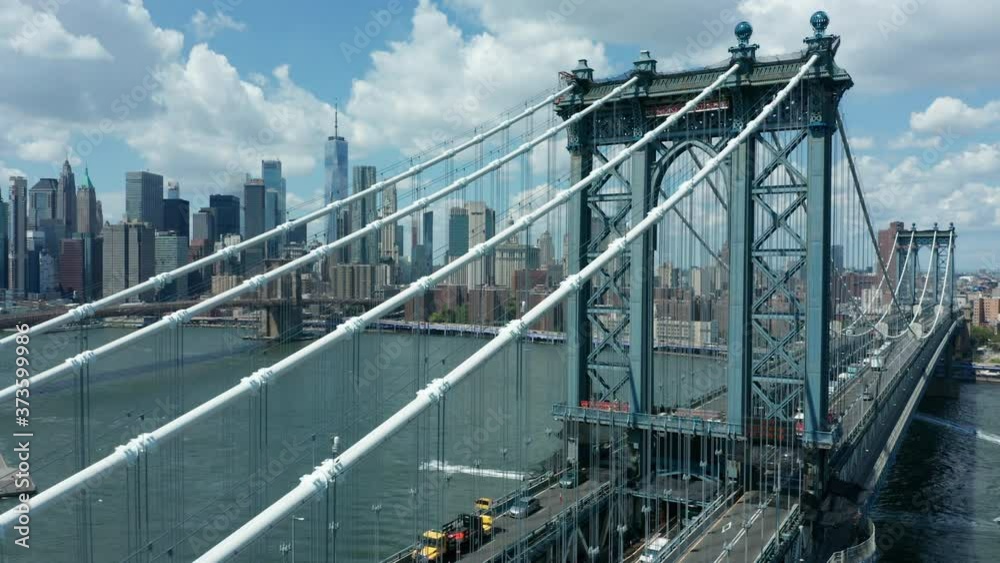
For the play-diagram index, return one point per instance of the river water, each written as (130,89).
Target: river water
(194,489)
(941,497)
(493,429)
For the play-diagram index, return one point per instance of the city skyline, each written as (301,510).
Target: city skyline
(901,144)
(664,302)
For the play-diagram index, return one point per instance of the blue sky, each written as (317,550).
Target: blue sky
(923,114)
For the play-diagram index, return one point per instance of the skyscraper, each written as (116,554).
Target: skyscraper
(428,234)
(887,244)
(129,256)
(80,267)
(253,223)
(270,172)
(43,201)
(177,212)
(34,249)
(226,209)
(458,232)
(274,202)
(171,253)
(363,211)
(270,208)
(423,249)
(144,198)
(546,250)
(511,257)
(66,199)
(482,226)
(335,184)
(87,221)
(389,250)
(19,233)
(203,226)
(837,255)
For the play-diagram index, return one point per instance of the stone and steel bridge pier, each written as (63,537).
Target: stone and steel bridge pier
(281,317)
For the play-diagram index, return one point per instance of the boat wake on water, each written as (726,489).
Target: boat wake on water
(962,428)
(436,465)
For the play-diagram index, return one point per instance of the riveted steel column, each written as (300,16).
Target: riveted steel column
(741,225)
(578,332)
(818,302)
(641,288)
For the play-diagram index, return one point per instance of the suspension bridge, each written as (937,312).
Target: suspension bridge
(730,188)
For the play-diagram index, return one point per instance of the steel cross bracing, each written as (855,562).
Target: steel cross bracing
(253,284)
(776,193)
(160,280)
(327,473)
(938,284)
(610,208)
(619,294)
(129,452)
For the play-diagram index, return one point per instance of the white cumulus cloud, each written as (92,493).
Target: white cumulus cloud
(38,33)
(206,27)
(440,81)
(219,126)
(952,114)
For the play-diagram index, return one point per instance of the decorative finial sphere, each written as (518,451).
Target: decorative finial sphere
(743,31)
(819,22)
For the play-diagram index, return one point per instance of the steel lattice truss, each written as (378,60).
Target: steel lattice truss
(609,203)
(778,258)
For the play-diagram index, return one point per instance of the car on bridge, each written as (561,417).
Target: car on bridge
(464,534)
(524,507)
(654,550)
(573,477)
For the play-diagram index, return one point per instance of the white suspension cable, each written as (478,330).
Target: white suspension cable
(130,451)
(927,275)
(158,281)
(899,284)
(861,199)
(327,472)
(944,289)
(915,310)
(878,290)
(940,305)
(256,282)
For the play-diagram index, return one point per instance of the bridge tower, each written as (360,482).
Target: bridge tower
(935,241)
(281,314)
(778,252)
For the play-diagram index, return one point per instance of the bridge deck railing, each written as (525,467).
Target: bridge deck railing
(700,525)
(861,553)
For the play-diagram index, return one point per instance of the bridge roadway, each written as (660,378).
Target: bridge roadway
(849,394)
(553,500)
(712,546)
(728,532)
(508,530)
